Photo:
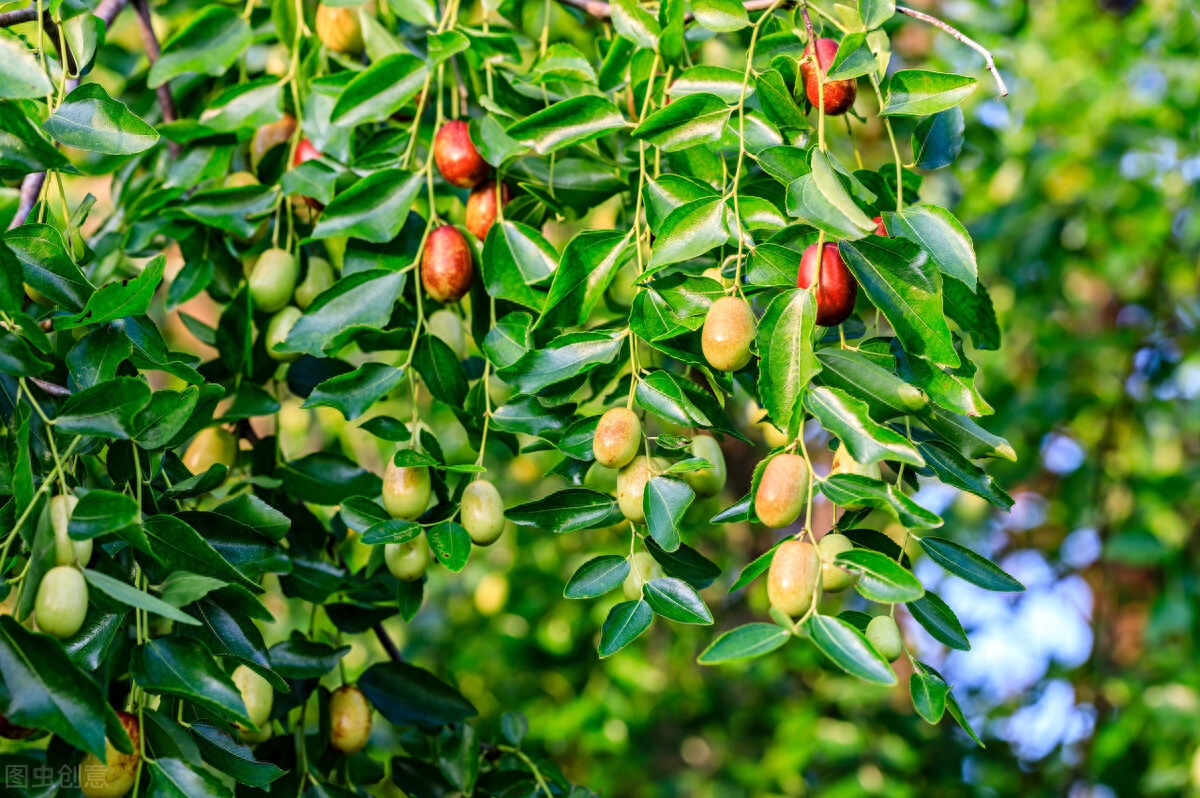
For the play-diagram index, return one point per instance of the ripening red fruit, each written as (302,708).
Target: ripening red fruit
(446,266)
(836,287)
(839,94)
(305,151)
(481,207)
(456,157)
(880,227)
(116,775)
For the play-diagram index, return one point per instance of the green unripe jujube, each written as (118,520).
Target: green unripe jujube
(707,481)
(642,568)
(728,331)
(406,491)
(792,577)
(273,279)
(62,601)
(277,332)
(349,720)
(407,561)
(834,578)
(884,635)
(318,278)
(257,694)
(67,551)
(482,512)
(617,438)
(782,490)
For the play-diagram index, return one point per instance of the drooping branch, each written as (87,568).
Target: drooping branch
(988,61)
(153,51)
(9,18)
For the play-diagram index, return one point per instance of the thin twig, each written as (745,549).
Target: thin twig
(988,61)
(385,640)
(602,10)
(165,102)
(9,18)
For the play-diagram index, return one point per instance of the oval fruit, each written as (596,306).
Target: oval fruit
(273,279)
(836,287)
(305,151)
(601,478)
(642,569)
(728,331)
(317,279)
(834,578)
(349,719)
(406,490)
(446,324)
(241,180)
(839,94)
(482,512)
(67,551)
(884,635)
(481,207)
(407,561)
(456,157)
(115,776)
(11,731)
(257,694)
(62,601)
(446,265)
(792,578)
(880,227)
(631,486)
(277,332)
(211,445)
(268,137)
(617,438)
(707,482)
(782,490)
(339,29)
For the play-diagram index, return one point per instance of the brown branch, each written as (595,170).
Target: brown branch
(10,18)
(988,61)
(812,34)
(385,640)
(153,51)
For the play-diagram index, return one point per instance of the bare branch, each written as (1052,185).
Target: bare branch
(385,640)
(165,102)
(9,18)
(988,61)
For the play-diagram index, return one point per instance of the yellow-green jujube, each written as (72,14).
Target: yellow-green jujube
(211,445)
(62,601)
(729,329)
(446,325)
(782,490)
(642,569)
(834,578)
(407,561)
(349,720)
(317,279)
(277,332)
(241,180)
(273,279)
(631,485)
(406,490)
(257,694)
(115,776)
(617,438)
(792,577)
(67,551)
(482,512)
(601,478)
(843,463)
(707,482)
(884,635)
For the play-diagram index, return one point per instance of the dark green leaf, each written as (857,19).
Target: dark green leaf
(745,642)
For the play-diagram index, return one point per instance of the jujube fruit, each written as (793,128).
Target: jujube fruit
(446,265)
(306,151)
(839,94)
(884,635)
(481,207)
(880,227)
(482,512)
(631,486)
(407,561)
(707,481)
(11,731)
(349,720)
(406,490)
(257,694)
(277,332)
(241,180)
(782,490)
(446,324)
(211,445)
(115,776)
(642,569)
(728,332)
(834,578)
(270,136)
(67,551)
(836,287)
(273,279)
(792,577)
(62,601)
(317,279)
(617,438)
(456,157)
(339,29)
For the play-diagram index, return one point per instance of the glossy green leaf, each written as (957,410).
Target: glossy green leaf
(788,365)
(848,648)
(881,578)
(440,370)
(939,620)
(964,563)
(209,44)
(359,301)
(597,577)
(379,91)
(625,622)
(928,694)
(101,511)
(567,123)
(105,410)
(588,265)
(676,600)
(665,501)
(354,393)
(566,510)
(119,298)
(849,490)
(919,92)
(937,140)
(564,358)
(373,209)
(132,597)
(688,232)
(48,268)
(89,119)
(722,16)
(886,394)
(688,121)
(516,258)
(744,642)
(183,668)
(942,236)
(635,23)
(22,77)
(866,440)
(406,695)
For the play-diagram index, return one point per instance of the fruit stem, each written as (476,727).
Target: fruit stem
(887,124)
(529,763)
(62,477)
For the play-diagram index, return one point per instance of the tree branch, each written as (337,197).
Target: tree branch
(386,641)
(165,102)
(9,18)
(988,61)
(602,10)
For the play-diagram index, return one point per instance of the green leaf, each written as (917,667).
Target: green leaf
(132,597)
(391,530)
(440,370)
(564,358)
(89,119)
(181,548)
(853,58)
(953,389)
(919,92)
(562,62)
(406,695)
(355,393)
(688,232)
(174,778)
(788,365)
(820,199)
(450,544)
(688,121)
(777,101)
(119,298)
(597,577)
(686,563)
(209,44)
(661,394)
(722,16)
(588,265)
(182,588)
(250,510)
(516,257)
(724,82)
(183,668)
(970,439)
(937,232)
(625,622)
(928,695)
(849,490)
(886,394)
(665,501)
(379,91)
(972,312)
(48,268)
(876,12)
(508,339)
(24,149)
(300,658)
(848,649)
(22,78)
(937,140)
(676,600)
(882,578)
(899,280)
(231,757)
(328,478)
(567,510)
(101,511)
(939,620)
(245,106)
(635,23)
(847,419)
(755,568)
(956,712)
(957,471)
(164,417)
(359,301)
(106,410)
(744,642)
(567,123)
(964,563)
(373,209)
